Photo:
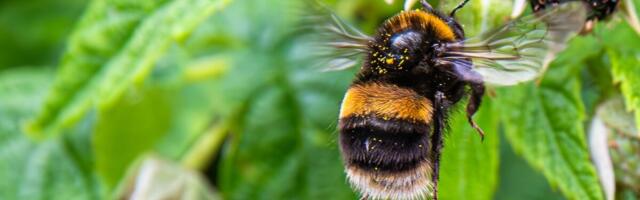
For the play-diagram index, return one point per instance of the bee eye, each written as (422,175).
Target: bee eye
(406,41)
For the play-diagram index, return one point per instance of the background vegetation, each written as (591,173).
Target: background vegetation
(216,99)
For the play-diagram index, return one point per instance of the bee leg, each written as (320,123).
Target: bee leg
(477,91)
(364,197)
(464,72)
(436,140)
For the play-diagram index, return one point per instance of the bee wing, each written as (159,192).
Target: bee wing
(338,45)
(521,49)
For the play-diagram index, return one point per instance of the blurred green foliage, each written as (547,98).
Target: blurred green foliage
(224,87)
(35,29)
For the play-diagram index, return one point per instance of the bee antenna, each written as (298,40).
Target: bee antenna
(426,5)
(453,12)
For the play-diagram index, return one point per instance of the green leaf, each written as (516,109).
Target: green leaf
(265,155)
(192,113)
(103,30)
(541,130)
(286,134)
(625,60)
(166,116)
(107,54)
(544,123)
(469,166)
(55,169)
(625,71)
(142,117)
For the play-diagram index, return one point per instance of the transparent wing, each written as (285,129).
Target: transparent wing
(337,45)
(522,49)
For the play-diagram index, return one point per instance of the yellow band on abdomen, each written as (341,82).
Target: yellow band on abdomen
(386,101)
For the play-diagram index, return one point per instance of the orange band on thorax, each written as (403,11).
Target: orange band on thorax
(407,19)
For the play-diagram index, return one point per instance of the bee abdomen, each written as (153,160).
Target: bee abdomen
(386,159)
(383,145)
(412,184)
(384,138)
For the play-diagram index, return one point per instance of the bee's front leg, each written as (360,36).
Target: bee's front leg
(477,91)
(463,69)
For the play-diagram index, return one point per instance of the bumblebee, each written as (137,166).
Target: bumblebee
(416,68)
(599,9)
